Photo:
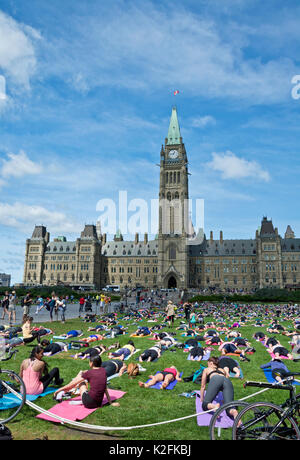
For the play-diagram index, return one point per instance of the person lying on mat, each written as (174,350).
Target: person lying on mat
(259,335)
(91,397)
(34,372)
(151,354)
(197,353)
(166,376)
(53,348)
(229,365)
(214,379)
(279,370)
(230,347)
(124,352)
(93,338)
(72,333)
(142,331)
(116,366)
(278,350)
(90,352)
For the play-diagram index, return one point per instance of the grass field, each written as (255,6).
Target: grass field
(140,406)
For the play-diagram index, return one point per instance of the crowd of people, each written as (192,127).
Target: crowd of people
(218,326)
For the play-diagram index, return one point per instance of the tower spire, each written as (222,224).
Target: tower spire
(174,136)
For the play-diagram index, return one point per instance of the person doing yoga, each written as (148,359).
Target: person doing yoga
(96,377)
(90,352)
(34,372)
(166,376)
(115,366)
(215,379)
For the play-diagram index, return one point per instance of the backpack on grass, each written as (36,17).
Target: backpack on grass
(5,433)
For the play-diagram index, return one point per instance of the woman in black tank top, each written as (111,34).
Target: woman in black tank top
(215,380)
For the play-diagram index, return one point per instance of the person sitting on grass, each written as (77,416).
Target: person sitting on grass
(31,333)
(91,397)
(124,352)
(90,352)
(166,376)
(34,372)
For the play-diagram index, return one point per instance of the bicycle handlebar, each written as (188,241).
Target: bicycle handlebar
(275,386)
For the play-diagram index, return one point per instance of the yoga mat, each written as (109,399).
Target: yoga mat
(270,379)
(157,386)
(204,420)
(205,357)
(10,401)
(78,412)
(280,357)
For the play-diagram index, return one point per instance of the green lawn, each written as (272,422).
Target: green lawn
(139,406)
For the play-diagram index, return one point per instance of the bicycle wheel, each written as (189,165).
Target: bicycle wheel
(218,429)
(10,404)
(264,421)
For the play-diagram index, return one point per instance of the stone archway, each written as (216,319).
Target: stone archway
(172,282)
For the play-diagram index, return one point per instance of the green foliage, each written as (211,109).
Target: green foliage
(262,295)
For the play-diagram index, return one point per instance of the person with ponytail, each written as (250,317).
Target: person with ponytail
(35,374)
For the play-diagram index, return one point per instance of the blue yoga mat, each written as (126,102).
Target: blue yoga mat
(171,385)
(10,401)
(270,379)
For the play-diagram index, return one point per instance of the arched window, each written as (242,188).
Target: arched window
(172,252)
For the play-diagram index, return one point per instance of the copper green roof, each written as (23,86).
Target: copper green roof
(174,130)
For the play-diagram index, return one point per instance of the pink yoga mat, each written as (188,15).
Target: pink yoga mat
(70,412)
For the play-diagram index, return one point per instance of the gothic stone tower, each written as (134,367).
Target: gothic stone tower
(173,210)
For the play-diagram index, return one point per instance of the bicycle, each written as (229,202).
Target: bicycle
(268,421)
(216,432)
(10,385)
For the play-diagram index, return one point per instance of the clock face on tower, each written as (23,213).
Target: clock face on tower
(173,154)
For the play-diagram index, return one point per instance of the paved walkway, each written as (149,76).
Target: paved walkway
(43,316)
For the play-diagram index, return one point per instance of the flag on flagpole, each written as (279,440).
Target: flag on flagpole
(176,92)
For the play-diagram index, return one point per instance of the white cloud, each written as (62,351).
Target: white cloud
(202,122)
(17,54)
(232,167)
(24,217)
(18,165)
(129,48)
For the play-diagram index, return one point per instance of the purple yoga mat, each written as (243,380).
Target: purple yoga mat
(204,419)
(157,386)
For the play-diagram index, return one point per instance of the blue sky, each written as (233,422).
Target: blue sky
(88,97)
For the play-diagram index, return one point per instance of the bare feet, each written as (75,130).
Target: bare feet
(141,384)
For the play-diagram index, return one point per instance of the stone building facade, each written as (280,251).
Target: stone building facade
(173,258)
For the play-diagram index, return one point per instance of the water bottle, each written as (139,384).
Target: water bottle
(2,348)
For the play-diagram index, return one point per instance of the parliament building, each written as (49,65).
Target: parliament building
(176,258)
